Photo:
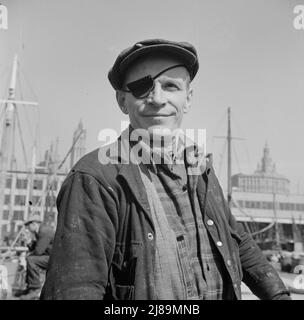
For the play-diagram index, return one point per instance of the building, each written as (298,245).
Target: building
(36,190)
(263,198)
(27,192)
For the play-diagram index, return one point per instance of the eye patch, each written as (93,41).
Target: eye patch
(142,87)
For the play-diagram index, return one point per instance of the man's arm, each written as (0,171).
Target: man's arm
(84,242)
(258,274)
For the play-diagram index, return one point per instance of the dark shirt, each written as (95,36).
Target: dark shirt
(44,241)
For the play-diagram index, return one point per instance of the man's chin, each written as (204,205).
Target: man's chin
(161,130)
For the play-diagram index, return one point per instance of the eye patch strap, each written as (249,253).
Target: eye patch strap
(172,67)
(152,78)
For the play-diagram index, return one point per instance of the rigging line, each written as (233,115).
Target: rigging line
(242,211)
(21,139)
(264,229)
(68,153)
(236,158)
(28,82)
(25,109)
(249,159)
(222,154)
(221,121)
(4,75)
(6,86)
(245,222)
(3,112)
(37,133)
(247,215)
(218,125)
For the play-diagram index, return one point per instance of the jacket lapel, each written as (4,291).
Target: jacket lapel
(131,175)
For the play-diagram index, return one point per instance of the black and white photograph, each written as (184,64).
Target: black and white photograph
(152,150)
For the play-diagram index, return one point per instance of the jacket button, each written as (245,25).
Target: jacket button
(210,222)
(150,236)
(219,243)
(229,263)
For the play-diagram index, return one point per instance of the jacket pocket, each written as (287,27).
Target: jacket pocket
(123,270)
(184,264)
(124,292)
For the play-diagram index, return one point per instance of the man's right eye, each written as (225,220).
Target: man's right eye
(170,86)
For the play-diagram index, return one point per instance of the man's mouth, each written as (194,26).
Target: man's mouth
(157,115)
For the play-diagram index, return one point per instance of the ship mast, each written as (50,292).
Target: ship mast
(8,134)
(229,139)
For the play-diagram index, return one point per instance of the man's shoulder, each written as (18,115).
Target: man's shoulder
(46,230)
(103,163)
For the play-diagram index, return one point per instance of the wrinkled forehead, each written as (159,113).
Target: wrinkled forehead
(154,64)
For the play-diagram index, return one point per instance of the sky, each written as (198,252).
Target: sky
(251,60)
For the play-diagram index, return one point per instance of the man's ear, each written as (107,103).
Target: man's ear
(121,99)
(188,100)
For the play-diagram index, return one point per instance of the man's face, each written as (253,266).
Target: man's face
(32,227)
(164,107)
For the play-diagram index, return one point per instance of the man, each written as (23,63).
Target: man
(40,247)
(145,217)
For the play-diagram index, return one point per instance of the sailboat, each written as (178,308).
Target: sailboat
(32,189)
(263,203)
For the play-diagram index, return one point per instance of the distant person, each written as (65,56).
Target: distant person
(40,246)
(159,228)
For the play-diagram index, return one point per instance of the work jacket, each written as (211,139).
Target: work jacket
(105,239)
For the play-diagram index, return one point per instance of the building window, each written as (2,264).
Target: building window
(8,183)
(20,200)
(267,205)
(18,215)
(241,203)
(21,184)
(38,184)
(5,214)
(7,199)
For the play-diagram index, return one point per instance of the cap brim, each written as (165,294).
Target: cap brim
(30,221)
(185,55)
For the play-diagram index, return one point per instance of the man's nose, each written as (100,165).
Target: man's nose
(157,96)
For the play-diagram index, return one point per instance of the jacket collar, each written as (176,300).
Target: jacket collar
(129,169)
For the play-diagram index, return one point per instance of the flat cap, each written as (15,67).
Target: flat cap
(33,217)
(182,50)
